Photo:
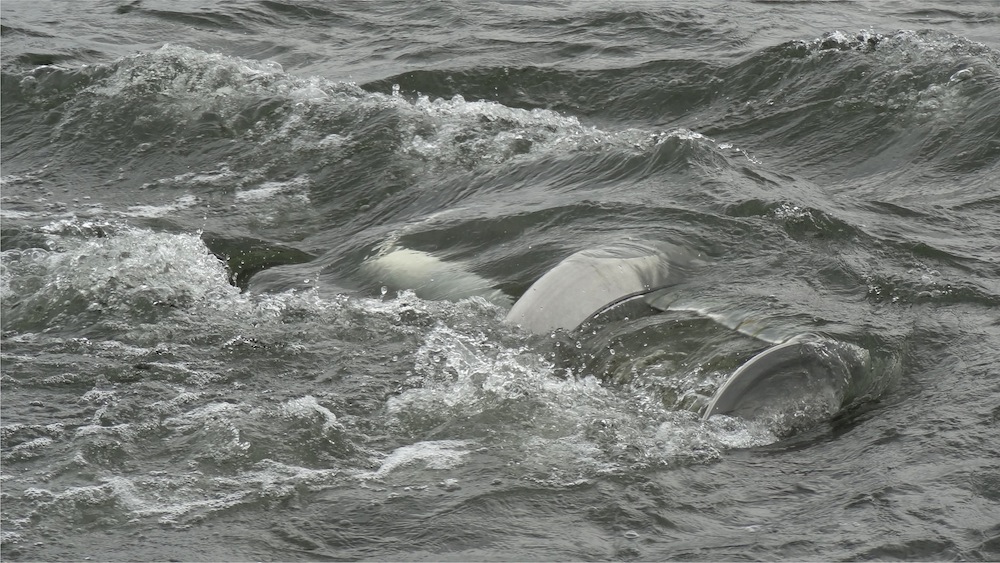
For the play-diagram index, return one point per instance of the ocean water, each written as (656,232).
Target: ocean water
(201,360)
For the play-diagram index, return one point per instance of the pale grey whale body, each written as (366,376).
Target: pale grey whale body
(589,282)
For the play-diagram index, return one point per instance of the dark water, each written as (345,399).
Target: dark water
(197,364)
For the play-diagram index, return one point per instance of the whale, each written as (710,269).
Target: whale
(429,277)
(804,372)
(594,280)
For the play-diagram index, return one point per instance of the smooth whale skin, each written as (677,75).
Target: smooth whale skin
(807,375)
(805,366)
(591,280)
(428,276)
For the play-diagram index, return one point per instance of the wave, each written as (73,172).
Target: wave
(841,101)
(270,148)
(139,126)
(837,107)
(294,156)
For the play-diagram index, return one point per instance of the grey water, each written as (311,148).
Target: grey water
(200,362)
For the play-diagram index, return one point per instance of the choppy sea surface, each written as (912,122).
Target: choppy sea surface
(197,364)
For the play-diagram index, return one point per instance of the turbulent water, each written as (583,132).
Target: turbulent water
(200,363)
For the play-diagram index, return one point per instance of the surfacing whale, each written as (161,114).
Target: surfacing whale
(806,373)
(590,281)
(429,277)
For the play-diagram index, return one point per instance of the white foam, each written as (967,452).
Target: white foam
(184,202)
(120,270)
(221,437)
(296,188)
(10,214)
(443,454)
(305,407)
(519,405)
(29,449)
